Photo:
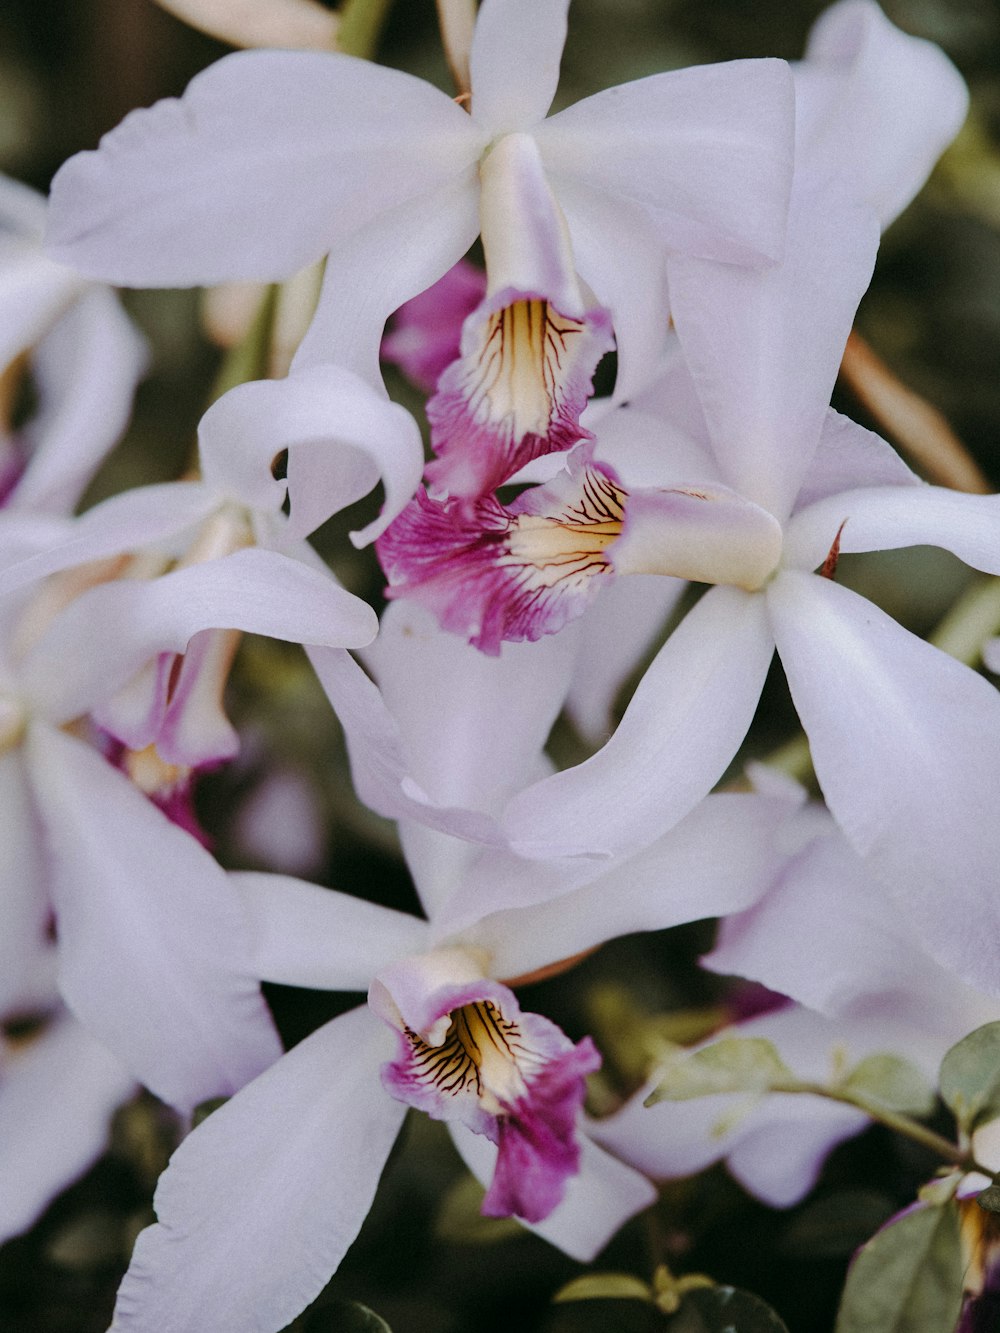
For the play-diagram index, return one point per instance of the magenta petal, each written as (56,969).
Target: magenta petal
(427,331)
(538,1147)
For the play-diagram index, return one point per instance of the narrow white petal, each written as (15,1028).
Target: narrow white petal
(86,372)
(849,457)
(152,948)
(304,935)
(682,727)
(381,266)
(111,631)
(259,1205)
(882,518)
(514,62)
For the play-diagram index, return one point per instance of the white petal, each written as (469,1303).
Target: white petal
(684,724)
(514,62)
(630,281)
(304,935)
(57,1096)
(905,742)
(26,964)
(849,457)
(828,937)
(86,372)
(598,1201)
(152,947)
(707,151)
(341,434)
(149,516)
(259,1205)
(109,632)
(620,626)
(875,104)
(373,272)
(456,708)
(269,159)
(764,347)
(884,518)
(379,765)
(34,292)
(721,858)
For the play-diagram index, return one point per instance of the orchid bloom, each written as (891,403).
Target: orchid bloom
(824,936)
(442,1032)
(332,155)
(83,353)
(341,437)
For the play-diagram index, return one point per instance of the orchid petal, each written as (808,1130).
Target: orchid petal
(514,62)
(35,292)
(875,104)
(381,266)
(684,724)
(722,857)
(379,765)
(917,796)
(453,705)
(850,457)
(619,628)
(629,281)
(86,371)
(707,151)
(599,1199)
(424,335)
(57,1096)
(149,516)
(109,632)
(680,1138)
(342,436)
(303,935)
(150,932)
(887,517)
(26,972)
(254,1219)
(827,937)
(764,347)
(267,162)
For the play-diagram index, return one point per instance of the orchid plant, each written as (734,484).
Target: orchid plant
(543,654)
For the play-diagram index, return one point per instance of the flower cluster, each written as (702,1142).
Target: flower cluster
(712,230)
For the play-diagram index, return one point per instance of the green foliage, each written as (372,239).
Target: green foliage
(724,1310)
(908,1278)
(606,1286)
(461,1222)
(892,1083)
(734,1064)
(970,1077)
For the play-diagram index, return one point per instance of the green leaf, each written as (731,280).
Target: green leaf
(908,1278)
(734,1064)
(724,1310)
(891,1082)
(970,1077)
(460,1221)
(604,1286)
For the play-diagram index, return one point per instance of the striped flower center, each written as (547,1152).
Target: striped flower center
(483,1054)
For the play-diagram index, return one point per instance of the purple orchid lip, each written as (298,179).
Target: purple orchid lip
(513,1077)
(426,332)
(515,393)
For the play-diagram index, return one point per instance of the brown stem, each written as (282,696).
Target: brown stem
(919,429)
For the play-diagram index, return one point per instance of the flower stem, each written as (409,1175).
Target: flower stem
(361,23)
(894,1120)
